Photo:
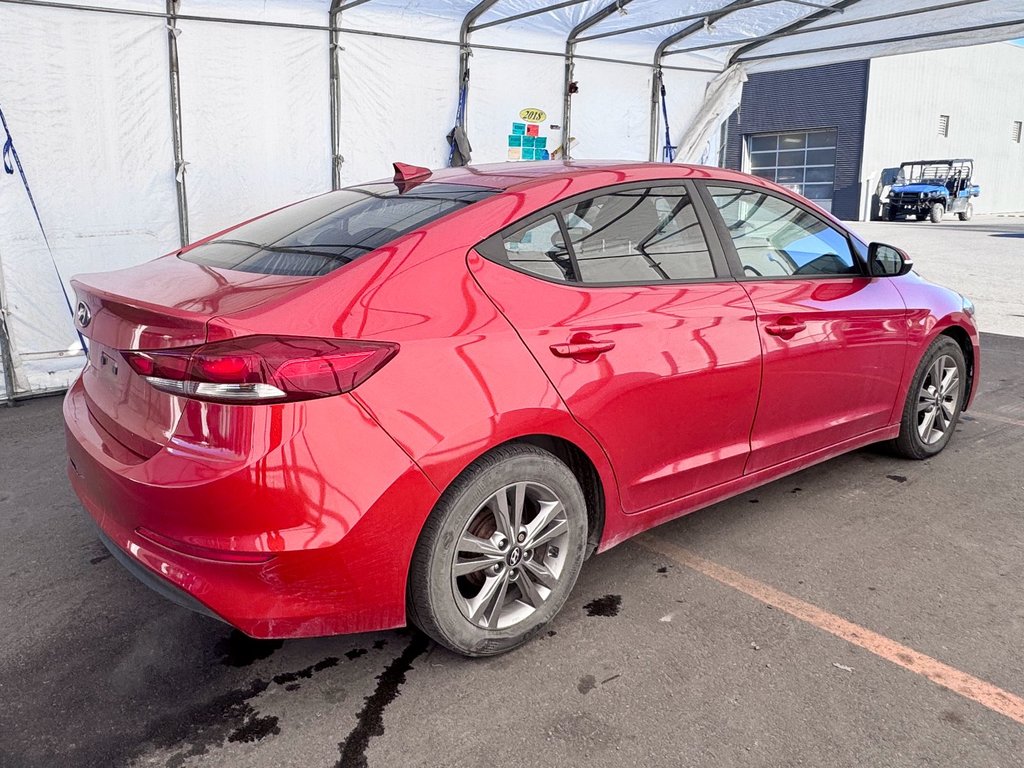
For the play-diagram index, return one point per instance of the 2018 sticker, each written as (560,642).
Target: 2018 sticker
(533,115)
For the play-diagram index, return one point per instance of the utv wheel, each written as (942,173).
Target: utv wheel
(934,401)
(967,213)
(938,211)
(500,553)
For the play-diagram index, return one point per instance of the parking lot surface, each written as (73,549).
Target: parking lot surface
(673,650)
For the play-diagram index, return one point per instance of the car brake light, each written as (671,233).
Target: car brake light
(262,368)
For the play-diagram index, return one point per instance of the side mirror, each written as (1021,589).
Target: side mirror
(888,261)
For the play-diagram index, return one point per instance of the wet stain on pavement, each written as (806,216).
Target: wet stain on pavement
(586,684)
(379,644)
(355,653)
(897,478)
(608,605)
(663,569)
(238,650)
(99,559)
(306,672)
(254,729)
(370,720)
(754,501)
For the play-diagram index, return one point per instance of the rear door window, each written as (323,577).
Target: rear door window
(319,235)
(646,235)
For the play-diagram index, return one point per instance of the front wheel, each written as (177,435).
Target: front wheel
(934,401)
(967,213)
(500,553)
(938,211)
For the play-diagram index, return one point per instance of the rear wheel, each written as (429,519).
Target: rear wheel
(938,211)
(500,553)
(934,401)
(967,213)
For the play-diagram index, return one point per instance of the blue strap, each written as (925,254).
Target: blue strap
(668,153)
(11,160)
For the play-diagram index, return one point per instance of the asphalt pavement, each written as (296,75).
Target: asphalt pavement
(654,661)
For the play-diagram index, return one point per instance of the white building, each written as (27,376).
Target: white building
(852,120)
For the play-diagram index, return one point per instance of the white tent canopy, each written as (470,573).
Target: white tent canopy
(145,124)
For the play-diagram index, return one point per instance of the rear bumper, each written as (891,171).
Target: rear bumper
(310,533)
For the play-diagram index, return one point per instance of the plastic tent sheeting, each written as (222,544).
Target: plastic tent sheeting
(87,94)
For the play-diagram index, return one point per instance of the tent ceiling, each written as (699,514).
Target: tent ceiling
(714,33)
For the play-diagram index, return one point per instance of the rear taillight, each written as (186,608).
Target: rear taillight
(262,368)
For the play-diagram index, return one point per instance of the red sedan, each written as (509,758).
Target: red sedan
(430,399)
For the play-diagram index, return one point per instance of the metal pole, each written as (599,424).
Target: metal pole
(334,21)
(659,54)
(570,51)
(6,357)
(179,156)
(465,52)
(841,6)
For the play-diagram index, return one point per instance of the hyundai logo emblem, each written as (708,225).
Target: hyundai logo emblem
(515,556)
(83,315)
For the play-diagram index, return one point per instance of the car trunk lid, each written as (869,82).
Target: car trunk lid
(158,305)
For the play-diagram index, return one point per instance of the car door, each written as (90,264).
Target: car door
(648,339)
(834,339)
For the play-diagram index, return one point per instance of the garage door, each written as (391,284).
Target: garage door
(803,161)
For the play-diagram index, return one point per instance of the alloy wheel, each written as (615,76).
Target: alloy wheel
(937,400)
(510,555)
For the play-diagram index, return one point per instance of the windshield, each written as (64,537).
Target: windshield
(319,235)
(929,174)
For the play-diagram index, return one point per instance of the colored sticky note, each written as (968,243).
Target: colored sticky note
(514,153)
(515,141)
(540,142)
(528,153)
(519,128)
(533,130)
(528,141)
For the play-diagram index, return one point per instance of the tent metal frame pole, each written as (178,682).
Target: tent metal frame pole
(174,73)
(789,29)
(902,38)
(6,355)
(751,41)
(526,14)
(570,51)
(659,53)
(673,20)
(334,47)
(465,52)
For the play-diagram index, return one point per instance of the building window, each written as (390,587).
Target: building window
(944,125)
(803,161)
(1015,134)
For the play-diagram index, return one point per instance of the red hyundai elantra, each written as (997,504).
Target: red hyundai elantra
(429,399)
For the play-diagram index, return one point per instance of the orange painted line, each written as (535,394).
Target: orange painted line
(968,686)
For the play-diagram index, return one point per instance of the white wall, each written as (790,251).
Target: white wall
(981,90)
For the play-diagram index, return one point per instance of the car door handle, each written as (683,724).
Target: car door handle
(582,348)
(785,329)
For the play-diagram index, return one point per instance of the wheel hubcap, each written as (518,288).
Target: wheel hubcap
(510,555)
(937,400)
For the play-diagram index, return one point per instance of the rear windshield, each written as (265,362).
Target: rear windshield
(319,235)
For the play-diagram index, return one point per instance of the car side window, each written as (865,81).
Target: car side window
(539,249)
(647,235)
(774,238)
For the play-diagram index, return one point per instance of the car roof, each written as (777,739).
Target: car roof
(513,176)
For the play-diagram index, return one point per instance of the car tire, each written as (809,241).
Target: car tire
(468,589)
(938,211)
(934,401)
(967,213)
